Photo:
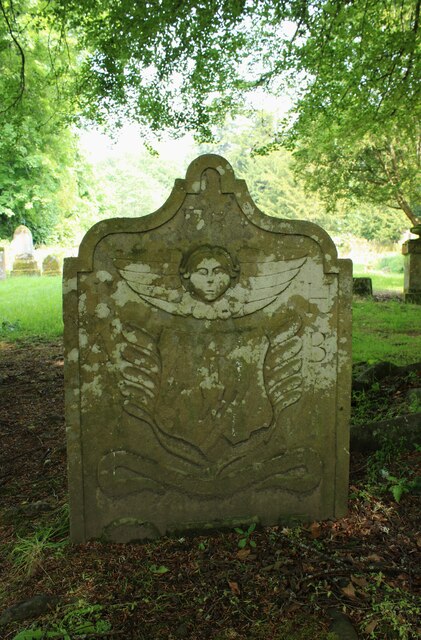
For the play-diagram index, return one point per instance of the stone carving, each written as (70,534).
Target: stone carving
(207,366)
(206,274)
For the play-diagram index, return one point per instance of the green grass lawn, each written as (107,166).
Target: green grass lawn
(30,308)
(381,281)
(386,331)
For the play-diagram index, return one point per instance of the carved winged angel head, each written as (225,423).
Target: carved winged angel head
(208,272)
(208,284)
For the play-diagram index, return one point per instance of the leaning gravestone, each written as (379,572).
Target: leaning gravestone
(22,246)
(207,367)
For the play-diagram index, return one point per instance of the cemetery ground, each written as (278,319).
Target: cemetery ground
(293,581)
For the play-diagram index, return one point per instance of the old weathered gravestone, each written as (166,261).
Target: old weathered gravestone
(51,266)
(22,246)
(207,367)
(411,250)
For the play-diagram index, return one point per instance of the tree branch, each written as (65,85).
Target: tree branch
(22,65)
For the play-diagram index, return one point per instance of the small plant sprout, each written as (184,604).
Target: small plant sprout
(399,486)
(245,536)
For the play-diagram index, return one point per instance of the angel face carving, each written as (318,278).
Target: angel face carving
(210,287)
(208,272)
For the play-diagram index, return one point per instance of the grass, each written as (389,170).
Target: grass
(381,281)
(386,331)
(30,308)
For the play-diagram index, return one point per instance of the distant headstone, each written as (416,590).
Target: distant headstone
(51,266)
(2,263)
(208,367)
(23,248)
(411,250)
(363,287)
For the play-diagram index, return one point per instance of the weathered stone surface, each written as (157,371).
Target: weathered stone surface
(32,608)
(379,371)
(22,247)
(207,366)
(341,626)
(25,266)
(22,244)
(400,431)
(362,287)
(411,250)
(51,266)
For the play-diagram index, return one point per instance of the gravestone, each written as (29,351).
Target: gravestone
(51,266)
(207,367)
(2,263)
(411,250)
(22,247)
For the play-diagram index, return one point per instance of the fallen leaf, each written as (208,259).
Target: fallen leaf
(371,626)
(374,557)
(419,542)
(315,530)
(359,581)
(234,587)
(243,554)
(349,591)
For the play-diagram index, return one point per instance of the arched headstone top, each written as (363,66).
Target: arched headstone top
(22,243)
(209,178)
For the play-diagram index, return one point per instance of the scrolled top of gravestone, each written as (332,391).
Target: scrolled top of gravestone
(22,244)
(207,173)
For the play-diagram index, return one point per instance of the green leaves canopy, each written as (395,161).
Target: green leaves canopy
(352,68)
(42,177)
(164,60)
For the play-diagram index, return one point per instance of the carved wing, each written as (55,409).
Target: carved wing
(141,370)
(162,290)
(282,366)
(141,373)
(272,279)
(165,291)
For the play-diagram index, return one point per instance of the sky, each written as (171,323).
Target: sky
(98,144)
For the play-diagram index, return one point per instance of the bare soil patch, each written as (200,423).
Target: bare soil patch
(365,566)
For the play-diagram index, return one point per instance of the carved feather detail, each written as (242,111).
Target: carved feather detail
(282,367)
(141,371)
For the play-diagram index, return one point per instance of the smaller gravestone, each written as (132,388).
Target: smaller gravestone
(51,266)
(362,287)
(2,263)
(23,248)
(411,250)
